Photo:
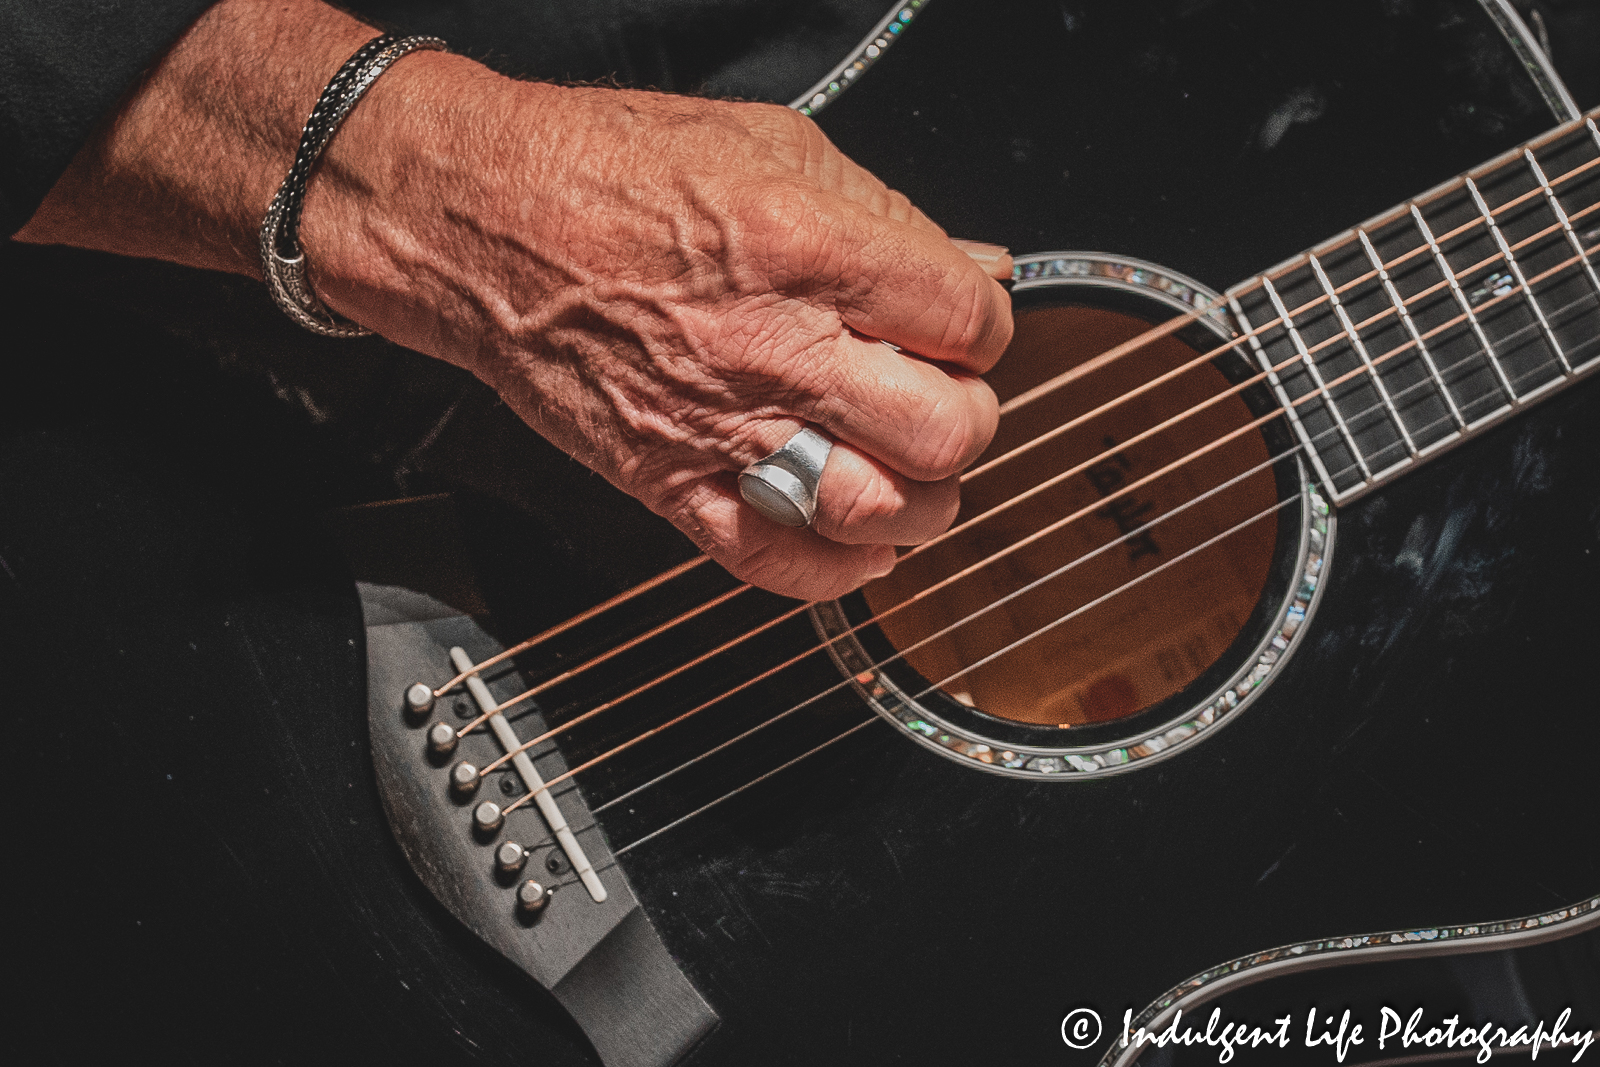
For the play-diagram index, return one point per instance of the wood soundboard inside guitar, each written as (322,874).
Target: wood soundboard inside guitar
(1159,623)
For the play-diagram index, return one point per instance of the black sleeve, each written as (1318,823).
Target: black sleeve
(63,66)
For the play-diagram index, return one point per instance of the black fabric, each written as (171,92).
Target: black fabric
(758,49)
(63,65)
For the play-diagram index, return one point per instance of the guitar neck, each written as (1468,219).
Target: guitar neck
(1439,319)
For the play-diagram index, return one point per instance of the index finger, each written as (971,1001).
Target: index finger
(919,291)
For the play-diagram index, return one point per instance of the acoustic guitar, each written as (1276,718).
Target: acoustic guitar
(1259,648)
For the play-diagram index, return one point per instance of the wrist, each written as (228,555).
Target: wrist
(441,159)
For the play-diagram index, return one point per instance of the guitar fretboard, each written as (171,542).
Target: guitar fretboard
(1439,319)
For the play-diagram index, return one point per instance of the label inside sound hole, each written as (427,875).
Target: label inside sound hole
(1119,606)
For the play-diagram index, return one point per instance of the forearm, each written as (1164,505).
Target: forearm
(185,168)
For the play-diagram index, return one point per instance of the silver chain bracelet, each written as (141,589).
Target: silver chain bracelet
(283,261)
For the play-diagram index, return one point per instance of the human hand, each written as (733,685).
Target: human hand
(668,289)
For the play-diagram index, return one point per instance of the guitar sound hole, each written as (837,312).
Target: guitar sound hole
(1147,609)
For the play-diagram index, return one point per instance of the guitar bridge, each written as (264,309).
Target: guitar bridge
(534,877)
(532,781)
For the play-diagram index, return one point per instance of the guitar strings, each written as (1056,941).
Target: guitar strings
(944,583)
(1036,583)
(916,598)
(1000,508)
(1334,383)
(869,720)
(1059,621)
(1526,293)
(1103,360)
(1133,345)
(843,683)
(970,667)
(1174,561)
(1530,328)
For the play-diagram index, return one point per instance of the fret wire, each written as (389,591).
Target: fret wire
(1460,435)
(1561,217)
(1253,335)
(1411,328)
(1466,306)
(1361,350)
(1433,196)
(1442,441)
(1422,338)
(1429,426)
(1283,270)
(1516,272)
(1553,383)
(1310,365)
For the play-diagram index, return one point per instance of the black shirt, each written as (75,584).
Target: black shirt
(65,63)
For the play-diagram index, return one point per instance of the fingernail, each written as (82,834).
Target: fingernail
(981,251)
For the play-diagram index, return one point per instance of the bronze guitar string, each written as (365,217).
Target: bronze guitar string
(917,696)
(1105,359)
(1151,477)
(942,584)
(1216,539)
(1039,534)
(1057,479)
(577,620)
(849,731)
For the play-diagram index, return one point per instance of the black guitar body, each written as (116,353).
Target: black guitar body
(202,869)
